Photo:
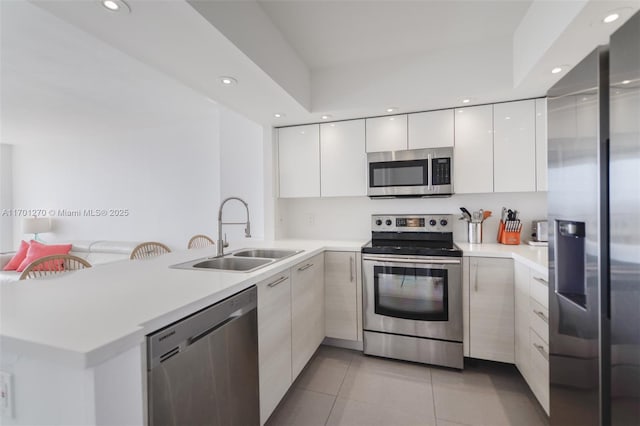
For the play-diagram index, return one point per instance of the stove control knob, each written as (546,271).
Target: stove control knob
(388,222)
(432,222)
(378,222)
(444,222)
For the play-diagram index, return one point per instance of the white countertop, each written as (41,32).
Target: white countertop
(536,258)
(87,317)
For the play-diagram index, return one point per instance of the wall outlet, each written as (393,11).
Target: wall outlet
(311,219)
(6,395)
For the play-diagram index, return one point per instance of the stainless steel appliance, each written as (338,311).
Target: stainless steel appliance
(203,370)
(540,230)
(594,239)
(411,173)
(412,275)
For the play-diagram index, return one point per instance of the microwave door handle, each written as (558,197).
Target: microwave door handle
(429,172)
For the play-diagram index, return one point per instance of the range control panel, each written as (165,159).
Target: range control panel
(412,223)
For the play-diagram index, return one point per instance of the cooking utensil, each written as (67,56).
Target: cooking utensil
(466,212)
(486,214)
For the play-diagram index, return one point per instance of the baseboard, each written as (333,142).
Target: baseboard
(341,343)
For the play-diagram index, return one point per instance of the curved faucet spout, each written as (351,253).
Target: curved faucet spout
(247,230)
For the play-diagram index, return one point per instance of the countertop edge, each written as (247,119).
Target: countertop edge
(93,357)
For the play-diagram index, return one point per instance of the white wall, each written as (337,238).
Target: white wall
(93,128)
(166,177)
(6,197)
(241,174)
(350,217)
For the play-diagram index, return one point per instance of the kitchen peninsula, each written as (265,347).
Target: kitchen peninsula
(76,346)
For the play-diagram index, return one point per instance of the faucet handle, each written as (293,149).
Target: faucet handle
(225,243)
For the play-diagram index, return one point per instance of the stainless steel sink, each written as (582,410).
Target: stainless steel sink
(233,264)
(247,260)
(266,253)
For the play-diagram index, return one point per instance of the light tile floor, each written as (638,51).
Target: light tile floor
(343,387)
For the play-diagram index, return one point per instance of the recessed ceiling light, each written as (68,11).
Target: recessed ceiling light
(626,81)
(556,70)
(392,109)
(326,117)
(610,18)
(460,111)
(279,114)
(116,6)
(332,125)
(507,118)
(228,81)
(466,101)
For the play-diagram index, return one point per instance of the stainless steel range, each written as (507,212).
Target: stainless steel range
(413,290)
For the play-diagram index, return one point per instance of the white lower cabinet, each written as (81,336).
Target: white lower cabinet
(532,331)
(491,309)
(521,275)
(341,295)
(307,311)
(274,341)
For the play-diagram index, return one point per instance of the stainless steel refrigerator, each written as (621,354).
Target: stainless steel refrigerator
(594,241)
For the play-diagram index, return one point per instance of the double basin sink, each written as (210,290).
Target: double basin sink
(247,260)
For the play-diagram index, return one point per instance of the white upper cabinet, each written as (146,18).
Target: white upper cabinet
(514,145)
(473,152)
(299,161)
(387,133)
(433,129)
(541,144)
(343,159)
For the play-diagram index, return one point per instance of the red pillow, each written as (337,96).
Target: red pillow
(38,250)
(17,259)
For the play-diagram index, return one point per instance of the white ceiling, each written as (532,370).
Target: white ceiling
(61,84)
(332,33)
(303,58)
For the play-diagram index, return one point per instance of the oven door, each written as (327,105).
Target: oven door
(413,296)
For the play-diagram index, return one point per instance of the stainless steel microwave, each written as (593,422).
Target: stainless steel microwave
(411,173)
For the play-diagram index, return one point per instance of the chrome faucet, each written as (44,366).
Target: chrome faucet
(247,231)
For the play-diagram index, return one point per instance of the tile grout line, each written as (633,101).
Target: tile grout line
(433,395)
(338,393)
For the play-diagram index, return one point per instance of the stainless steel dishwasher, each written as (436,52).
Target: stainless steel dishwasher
(203,370)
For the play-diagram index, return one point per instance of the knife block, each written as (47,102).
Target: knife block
(508,237)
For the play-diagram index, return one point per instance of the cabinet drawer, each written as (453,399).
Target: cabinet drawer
(539,320)
(539,377)
(539,289)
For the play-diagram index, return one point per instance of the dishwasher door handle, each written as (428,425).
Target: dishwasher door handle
(237,314)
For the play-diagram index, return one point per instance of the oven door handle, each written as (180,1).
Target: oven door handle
(421,260)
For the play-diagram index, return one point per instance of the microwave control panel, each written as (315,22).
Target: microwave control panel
(441,171)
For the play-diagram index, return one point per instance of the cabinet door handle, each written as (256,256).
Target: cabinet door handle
(305,267)
(542,351)
(475,279)
(351,269)
(542,281)
(542,316)
(276,282)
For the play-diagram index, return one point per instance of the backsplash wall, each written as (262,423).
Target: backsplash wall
(347,218)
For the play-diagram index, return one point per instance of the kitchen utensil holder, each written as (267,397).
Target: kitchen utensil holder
(508,237)
(475,232)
